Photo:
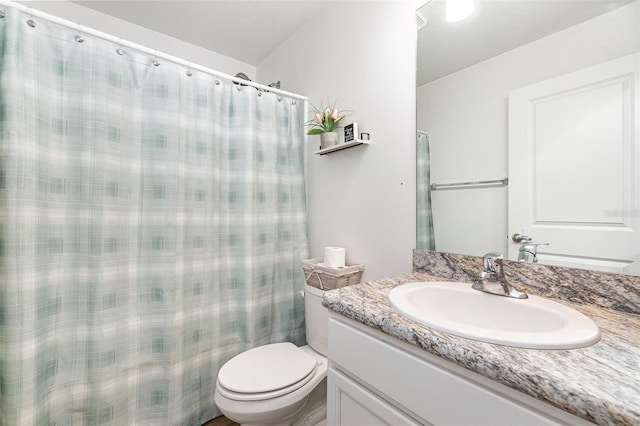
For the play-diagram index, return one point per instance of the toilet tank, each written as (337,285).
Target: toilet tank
(316,319)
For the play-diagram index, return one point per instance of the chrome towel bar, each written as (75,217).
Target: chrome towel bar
(480,183)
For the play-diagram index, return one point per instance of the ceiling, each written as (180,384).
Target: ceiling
(495,26)
(246,30)
(249,30)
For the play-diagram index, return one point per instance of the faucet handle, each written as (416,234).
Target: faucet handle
(489,261)
(532,246)
(527,249)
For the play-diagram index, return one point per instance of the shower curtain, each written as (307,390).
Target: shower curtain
(151,227)
(424,216)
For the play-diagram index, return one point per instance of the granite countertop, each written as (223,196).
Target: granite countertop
(600,383)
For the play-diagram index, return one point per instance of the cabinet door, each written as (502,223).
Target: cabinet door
(353,405)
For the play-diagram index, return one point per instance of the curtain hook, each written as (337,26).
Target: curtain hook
(217,82)
(30,21)
(79,37)
(279,99)
(189,73)
(120,50)
(1,14)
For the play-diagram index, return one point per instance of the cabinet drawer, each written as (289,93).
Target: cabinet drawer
(429,391)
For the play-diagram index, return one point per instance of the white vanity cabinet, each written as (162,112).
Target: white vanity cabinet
(375,379)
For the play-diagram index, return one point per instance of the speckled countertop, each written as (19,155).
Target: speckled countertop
(600,383)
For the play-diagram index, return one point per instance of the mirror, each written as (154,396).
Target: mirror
(466,71)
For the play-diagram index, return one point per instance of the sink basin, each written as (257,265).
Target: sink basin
(456,308)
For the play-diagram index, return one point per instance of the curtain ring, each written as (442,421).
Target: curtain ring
(79,38)
(217,82)
(1,14)
(279,99)
(120,50)
(30,21)
(156,62)
(188,72)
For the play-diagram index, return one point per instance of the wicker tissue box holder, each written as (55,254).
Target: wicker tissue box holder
(326,278)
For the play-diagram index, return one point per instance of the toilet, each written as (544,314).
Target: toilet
(280,383)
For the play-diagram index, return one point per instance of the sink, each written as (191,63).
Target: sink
(455,308)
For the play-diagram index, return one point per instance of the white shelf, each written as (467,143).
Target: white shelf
(341,146)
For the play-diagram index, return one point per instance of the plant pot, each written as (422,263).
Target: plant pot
(328,139)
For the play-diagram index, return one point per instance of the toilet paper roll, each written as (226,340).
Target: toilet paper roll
(334,257)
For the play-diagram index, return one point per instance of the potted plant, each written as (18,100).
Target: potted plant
(324,123)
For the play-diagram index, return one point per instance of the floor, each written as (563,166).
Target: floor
(221,421)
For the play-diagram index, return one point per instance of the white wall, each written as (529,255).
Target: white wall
(466,116)
(143,36)
(361,54)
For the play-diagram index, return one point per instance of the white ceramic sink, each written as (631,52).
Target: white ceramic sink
(456,308)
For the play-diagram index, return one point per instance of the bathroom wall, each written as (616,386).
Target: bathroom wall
(466,115)
(361,54)
(143,36)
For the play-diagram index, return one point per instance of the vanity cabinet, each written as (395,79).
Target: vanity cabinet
(374,379)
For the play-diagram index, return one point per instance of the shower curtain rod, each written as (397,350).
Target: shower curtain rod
(125,43)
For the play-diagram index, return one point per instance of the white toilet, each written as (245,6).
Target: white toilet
(280,383)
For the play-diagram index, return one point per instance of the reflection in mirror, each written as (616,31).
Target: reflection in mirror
(467,72)
(424,217)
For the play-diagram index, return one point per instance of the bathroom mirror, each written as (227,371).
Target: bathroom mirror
(466,73)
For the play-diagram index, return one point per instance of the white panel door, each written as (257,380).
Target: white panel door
(574,167)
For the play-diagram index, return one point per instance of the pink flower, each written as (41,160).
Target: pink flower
(319,117)
(335,114)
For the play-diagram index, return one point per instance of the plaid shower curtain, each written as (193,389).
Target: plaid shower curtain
(151,227)
(426,237)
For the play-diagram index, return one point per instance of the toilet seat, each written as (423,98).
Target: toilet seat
(266,372)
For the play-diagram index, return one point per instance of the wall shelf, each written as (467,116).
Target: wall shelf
(342,146)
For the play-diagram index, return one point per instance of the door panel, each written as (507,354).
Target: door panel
(574,167)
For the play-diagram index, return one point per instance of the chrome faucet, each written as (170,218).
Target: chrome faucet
(529,250)
(492,280)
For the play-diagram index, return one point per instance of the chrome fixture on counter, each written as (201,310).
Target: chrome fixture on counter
(492,280)
(528,252)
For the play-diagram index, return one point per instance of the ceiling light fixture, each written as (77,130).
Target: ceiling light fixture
(457,10)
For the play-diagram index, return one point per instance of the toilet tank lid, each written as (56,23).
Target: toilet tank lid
(266,368)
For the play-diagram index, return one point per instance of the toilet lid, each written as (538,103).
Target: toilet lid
(266,368)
